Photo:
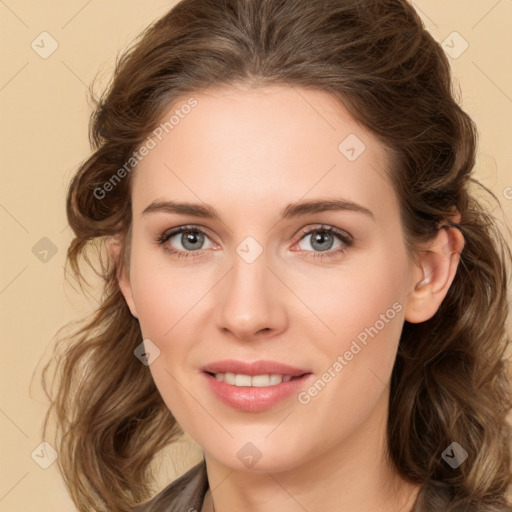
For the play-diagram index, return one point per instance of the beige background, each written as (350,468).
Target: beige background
(44,116)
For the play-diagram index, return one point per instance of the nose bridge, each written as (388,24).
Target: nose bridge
(249,302)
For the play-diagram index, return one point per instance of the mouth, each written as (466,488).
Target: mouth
(255,392)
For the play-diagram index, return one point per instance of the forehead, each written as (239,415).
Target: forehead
(259,146)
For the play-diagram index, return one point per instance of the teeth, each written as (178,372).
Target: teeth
(257,381)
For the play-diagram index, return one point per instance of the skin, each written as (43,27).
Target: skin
(249,153)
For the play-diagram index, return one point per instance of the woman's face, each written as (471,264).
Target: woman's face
(261,281)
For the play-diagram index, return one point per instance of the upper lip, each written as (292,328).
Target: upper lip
(254,368)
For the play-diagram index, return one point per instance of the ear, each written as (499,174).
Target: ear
(434,274)
(114,246)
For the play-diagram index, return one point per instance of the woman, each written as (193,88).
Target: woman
(297,272)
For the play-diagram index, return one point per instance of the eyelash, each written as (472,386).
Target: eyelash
(344,238)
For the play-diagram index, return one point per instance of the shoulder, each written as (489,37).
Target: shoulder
(185,494)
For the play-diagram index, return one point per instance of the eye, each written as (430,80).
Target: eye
(322,239)
(184,241)
(188,241)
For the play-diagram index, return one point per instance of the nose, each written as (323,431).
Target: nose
(251,301)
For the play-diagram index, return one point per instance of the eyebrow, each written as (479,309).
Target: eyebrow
(292,210)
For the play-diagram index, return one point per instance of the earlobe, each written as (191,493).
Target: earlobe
(434,274)
(123,278)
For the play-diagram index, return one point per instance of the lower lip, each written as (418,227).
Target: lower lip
(255,399)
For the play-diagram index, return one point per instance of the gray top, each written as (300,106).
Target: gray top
(185,494)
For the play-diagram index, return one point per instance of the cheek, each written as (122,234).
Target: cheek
(163,292)
(356,329)
(365,316)
(347,301)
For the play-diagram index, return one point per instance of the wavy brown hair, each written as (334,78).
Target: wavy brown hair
(450,380)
